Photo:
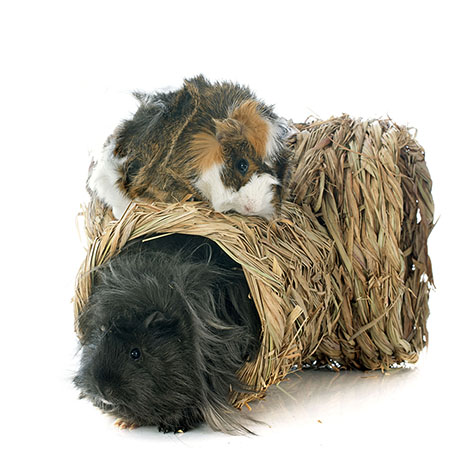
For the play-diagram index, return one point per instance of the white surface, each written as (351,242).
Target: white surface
(67,72)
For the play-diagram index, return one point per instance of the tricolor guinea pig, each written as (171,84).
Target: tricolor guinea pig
(167,328)
(217,142)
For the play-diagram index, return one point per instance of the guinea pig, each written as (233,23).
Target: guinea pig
(217,142)
(167,327)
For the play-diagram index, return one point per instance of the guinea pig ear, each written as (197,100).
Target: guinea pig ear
(225,128)
(160,321)
(151,319)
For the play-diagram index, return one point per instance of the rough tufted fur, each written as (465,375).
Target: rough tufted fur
(216,141)
(184,306)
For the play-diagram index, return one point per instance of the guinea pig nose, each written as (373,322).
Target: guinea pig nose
(106,382)
(249,207)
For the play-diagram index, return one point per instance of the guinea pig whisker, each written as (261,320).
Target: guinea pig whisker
(204,245)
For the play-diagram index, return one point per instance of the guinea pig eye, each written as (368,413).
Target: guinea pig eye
(242,166)
(135,354)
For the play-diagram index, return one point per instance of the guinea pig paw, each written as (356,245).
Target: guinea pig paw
(121,424)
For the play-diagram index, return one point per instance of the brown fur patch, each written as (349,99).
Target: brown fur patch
(256,128)
(206,150)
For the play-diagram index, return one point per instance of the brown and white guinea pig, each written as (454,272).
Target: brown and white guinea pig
(167,327)
(217,142)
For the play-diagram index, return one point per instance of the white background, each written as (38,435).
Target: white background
(68,69)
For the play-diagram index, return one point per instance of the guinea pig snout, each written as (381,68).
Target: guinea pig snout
(107,385)
(249,206)
(255,198)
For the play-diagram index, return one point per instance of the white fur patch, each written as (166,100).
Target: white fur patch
(273,142)
(254,198)
(104,177)
(212,188)
(279,131)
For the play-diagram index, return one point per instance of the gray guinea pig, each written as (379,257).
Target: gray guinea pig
(167,327)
